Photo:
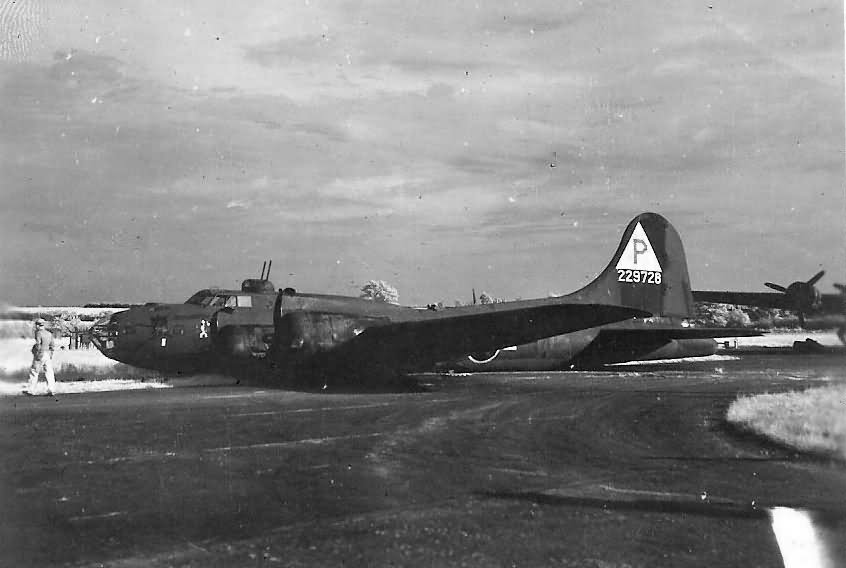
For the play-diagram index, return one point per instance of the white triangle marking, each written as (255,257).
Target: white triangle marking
(638,254)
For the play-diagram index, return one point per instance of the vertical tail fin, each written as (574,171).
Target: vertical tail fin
(648,271)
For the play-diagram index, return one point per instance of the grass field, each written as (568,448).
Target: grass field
(69,364)
(813,420)
(77,370)
(82,370)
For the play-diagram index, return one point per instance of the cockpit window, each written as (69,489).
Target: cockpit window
(214,299)
(207,298)
(201,298)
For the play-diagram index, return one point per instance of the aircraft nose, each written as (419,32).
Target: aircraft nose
(104,333)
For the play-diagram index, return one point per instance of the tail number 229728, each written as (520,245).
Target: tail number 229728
(638,276)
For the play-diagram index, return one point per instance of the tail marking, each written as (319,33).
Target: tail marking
(638,263)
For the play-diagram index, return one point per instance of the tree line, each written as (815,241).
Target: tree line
(707,314)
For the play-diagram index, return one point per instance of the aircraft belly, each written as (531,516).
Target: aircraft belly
(611,347)
(548,354)
(617,346)
(679,348)
(568,346)
(153,355)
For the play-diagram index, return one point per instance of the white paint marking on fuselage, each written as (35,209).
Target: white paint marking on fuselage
(483,361)
(294,443)
(637,246)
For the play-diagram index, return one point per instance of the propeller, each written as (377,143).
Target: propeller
(801,296)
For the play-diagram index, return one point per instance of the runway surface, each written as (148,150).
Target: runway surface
(627,468)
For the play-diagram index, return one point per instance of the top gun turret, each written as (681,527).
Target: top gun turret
(262,284)
(257,286)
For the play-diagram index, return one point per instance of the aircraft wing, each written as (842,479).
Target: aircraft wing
(450,333)
(759,299)
(693,332)
(617,345)
(616,338)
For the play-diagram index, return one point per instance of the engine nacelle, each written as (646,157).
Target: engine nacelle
(241,342)
(308,333)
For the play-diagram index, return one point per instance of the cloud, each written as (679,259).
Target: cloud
(315,49)
(417,129)
(372,188)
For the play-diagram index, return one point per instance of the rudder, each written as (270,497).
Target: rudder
(648,271)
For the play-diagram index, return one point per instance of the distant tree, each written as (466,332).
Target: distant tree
(485,298)
(762,318)
(738,318)
(721,315)
(380,291)
(64,324)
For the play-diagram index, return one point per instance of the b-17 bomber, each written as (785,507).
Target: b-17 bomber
(316,339)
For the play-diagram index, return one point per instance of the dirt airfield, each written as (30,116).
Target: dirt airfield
(635,467)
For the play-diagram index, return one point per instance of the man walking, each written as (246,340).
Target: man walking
(42,358)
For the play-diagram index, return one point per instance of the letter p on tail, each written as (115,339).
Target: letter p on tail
(648,271)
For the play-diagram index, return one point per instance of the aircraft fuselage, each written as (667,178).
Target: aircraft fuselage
(323,337)
(191,338)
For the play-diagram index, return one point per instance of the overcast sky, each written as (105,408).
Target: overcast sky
(149,149)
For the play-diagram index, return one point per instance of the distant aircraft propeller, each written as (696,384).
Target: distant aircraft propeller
(801,296)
